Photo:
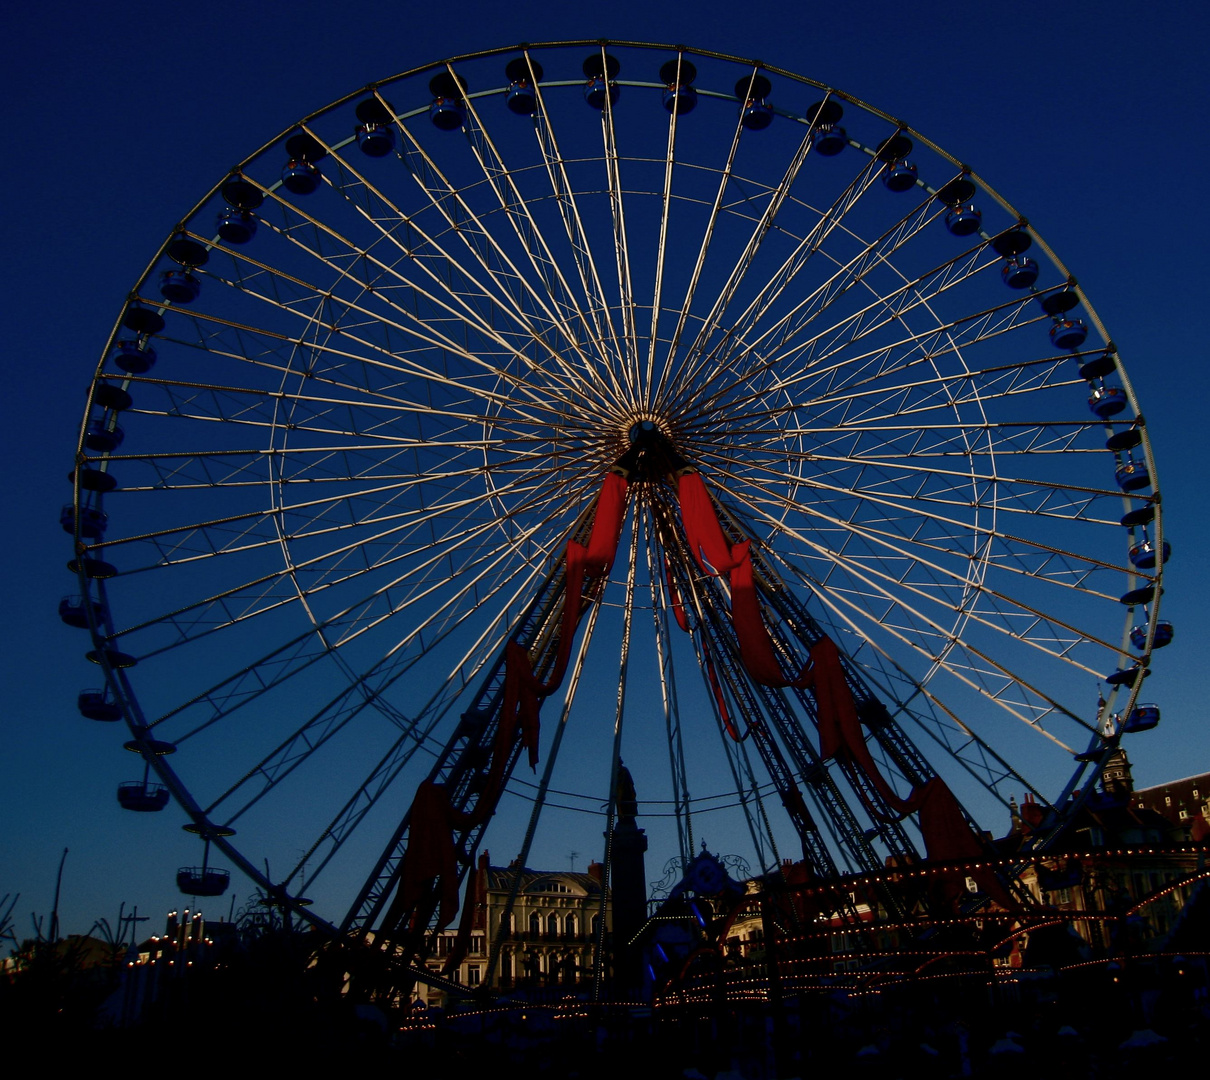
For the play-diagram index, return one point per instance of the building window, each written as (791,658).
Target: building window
(596,924)
(1184,814)
(1167,800)
(476,945)
(535,924)
(552,924)
(569,924)
(473,974)
(508,922)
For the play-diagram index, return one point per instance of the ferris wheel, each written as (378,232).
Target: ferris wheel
(576,403)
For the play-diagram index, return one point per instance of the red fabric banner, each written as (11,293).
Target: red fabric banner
(674,598)
(702,529)
(755,645)
(717,689)
(430,852)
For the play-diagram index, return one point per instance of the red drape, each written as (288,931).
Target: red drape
(755,645)
(948,837)
(717,689)
(702,529)
(674,598)
(430,852)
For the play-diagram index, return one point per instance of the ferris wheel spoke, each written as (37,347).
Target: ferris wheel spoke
(667,383)
(336,714)
(564,194)
(273,515)
(325,562)
(1046,561)
(230,694)
(924,552)
(697,355)
(987,766)
(348,314)
(510,284)
(877,397)
(734,348)
(894,592)
(389,364)
(734,354)
(378,288)
(829,357)
(661,253)
(944,339)
(621,251)
(545,265)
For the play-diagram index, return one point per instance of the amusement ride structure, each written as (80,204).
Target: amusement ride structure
(564,403)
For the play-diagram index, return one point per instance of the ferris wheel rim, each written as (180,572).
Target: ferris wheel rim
(85,581)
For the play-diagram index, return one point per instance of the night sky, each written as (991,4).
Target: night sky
(1088,117)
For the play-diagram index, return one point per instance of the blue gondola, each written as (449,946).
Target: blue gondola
(1099,366)
(1019,272)
(236,226)
(242,194)
(146,746)
(1132,475)
(964,220)
(1163,635)
(600,71)
(143,320)
(522,75)
(1142,595)
(97,569)
(95,704)
(756,113)
(74,611)
(93,479)
(111,397)
(447,112)
(900,175)
(1142,718)
(133,358)
(1012,243)
(202,881)
(142,797)
(1127,676)
(1142,554)
(300,177)
(113,657)
(1107,401)
(187,251)
(92,522)
(1068,333)
(179,287)
(829,140)
(679,95)
(375,140)
(103,437)
(1060,302)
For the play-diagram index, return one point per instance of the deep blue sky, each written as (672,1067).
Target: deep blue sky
(1089,117)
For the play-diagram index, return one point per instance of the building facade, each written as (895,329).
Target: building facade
(543,923)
